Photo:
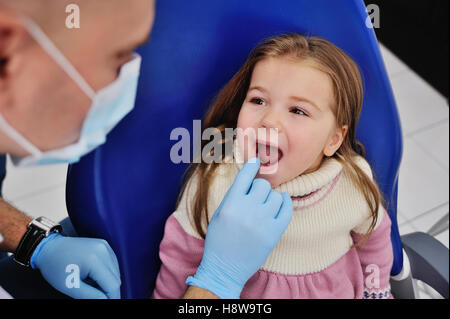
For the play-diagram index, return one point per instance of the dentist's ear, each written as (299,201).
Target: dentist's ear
(335,141)
(12,36)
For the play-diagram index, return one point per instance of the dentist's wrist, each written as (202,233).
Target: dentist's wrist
(40,246)
(37,230)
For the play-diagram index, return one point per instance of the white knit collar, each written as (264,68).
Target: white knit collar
(306,183)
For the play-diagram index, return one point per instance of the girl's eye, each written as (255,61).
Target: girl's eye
(298,111)
(257,100)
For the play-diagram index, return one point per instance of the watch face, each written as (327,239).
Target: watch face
(44,223)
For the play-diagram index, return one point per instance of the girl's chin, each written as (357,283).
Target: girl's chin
(270,174)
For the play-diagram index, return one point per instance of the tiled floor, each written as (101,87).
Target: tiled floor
(424,172)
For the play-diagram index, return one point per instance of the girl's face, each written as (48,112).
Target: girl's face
(295,100)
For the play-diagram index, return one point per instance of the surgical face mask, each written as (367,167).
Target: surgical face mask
(109,106)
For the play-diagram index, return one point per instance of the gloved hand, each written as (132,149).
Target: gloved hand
(242,233)
(94,258)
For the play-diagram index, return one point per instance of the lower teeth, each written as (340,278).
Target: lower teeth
(266,163)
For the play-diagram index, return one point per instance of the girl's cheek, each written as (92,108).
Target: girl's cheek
(246,119)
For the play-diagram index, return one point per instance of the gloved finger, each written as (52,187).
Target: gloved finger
(114,261)
(273,203)
(245,177)
(106,280)
(85,291)
(284,215)
(107,255)
(260,190)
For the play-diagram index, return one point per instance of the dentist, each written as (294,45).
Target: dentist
(61,92)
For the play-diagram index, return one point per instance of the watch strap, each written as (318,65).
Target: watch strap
(31,239)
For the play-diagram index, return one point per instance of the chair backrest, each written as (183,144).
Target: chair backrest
(125,190)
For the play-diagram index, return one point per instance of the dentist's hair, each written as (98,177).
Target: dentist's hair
(348,96)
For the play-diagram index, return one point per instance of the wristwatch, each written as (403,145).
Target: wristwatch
(37,230)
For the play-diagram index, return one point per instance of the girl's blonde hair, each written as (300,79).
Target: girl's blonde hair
(348,95)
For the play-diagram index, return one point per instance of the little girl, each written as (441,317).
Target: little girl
(337,244)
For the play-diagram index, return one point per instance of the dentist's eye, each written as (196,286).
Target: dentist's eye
(258,101)
(298,111)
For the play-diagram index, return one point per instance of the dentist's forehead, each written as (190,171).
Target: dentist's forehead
(51,15)
(108,30)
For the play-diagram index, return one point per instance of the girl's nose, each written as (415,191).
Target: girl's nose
(270,127)
(271,120)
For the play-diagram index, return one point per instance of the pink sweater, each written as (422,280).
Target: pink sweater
(314,258)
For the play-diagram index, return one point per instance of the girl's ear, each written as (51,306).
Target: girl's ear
(335,141)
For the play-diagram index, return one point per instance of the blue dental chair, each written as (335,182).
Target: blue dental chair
(125,190)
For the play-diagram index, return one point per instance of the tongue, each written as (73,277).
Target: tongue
(267,154)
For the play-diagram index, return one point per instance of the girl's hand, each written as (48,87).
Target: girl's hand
(242,233)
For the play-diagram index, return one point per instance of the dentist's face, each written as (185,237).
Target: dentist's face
(36,96)
(295,100)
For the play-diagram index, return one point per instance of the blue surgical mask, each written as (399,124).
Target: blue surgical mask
(109,106)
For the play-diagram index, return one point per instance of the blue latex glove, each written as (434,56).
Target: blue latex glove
(242,233)
(93,258)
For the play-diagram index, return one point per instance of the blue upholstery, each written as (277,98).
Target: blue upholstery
(125,190)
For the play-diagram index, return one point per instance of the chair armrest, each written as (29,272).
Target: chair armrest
(429,260)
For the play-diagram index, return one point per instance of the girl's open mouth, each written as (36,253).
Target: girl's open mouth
(268,155)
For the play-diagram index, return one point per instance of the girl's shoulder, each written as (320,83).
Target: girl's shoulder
(364,165)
